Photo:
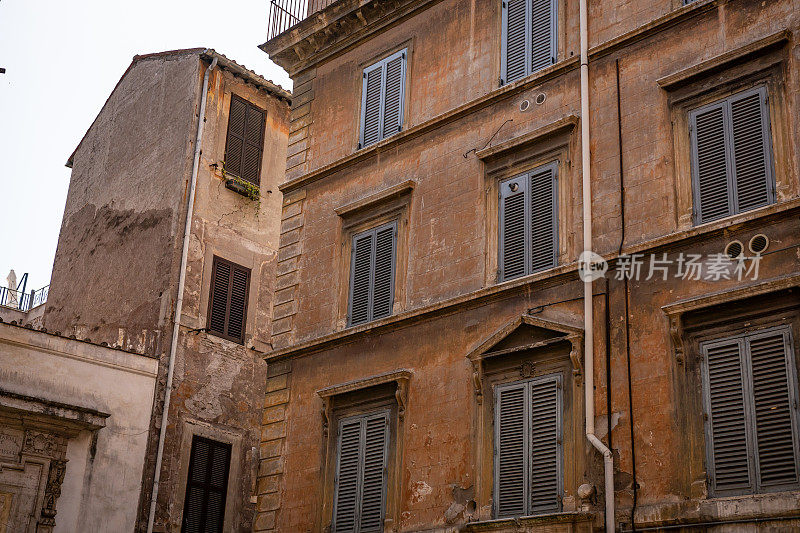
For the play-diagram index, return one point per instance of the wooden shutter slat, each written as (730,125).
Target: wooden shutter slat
(729,459)
(219,297)
(515,32)
(236,134)
(230,287)
(544,446)
(543,35)
(775,435)
(238,303)
(347,476)
(511,476)
(206,488)
(373,490)
(544,218)
(383,285)
(750,150)
(360,277)
(244,146)
(711,162)
(513,255)
(371,105)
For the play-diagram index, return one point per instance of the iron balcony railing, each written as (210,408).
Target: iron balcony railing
(21,300)
(283,14)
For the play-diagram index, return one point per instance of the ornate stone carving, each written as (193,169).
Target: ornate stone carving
(52,491)
(39,443)
(526,369)
(676,333)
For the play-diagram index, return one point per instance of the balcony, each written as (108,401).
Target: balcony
(21,300)
(283,14)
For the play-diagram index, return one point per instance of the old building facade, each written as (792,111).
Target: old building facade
(172,218)
(429,369)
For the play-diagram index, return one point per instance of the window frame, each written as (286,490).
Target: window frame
(771,182)
(749,399)
(526,384)
(248,104)
(403,52)
(351,274)
(552,165)
(224,334)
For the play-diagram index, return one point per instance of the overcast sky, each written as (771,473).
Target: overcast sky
(62,59)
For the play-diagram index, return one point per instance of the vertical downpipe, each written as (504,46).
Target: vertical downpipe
(176,320)
(588,304)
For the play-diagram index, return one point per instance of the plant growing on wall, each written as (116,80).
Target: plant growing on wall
(240,186)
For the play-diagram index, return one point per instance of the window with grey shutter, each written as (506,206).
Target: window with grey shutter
(361,473)
(372,269)
(244,146)
(529,33)
(383,99)
(227,303)
(528,456)
(750,394)
(207,486)
(731,156)
(529,222)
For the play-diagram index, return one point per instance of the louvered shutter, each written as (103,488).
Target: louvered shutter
(514,40)
(545,443)
(360,484)
(374,478)
(543,218)
(234,145)
(729,464)
(393,106)
(383,99)
(543,34)
(348,469)
(244,146)
(511,460)
(227,314)
(712,188)
(529,37)
(372,273)
(207,486)
(371,102)
(731,156)
(361,278)
(751,152)
(774,409)
(513,228)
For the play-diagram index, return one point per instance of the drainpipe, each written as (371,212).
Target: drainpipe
(588,307)
(176,322)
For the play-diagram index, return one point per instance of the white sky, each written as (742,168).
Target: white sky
(62,60)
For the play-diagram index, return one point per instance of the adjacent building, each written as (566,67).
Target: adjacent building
(185,129)
(428,369)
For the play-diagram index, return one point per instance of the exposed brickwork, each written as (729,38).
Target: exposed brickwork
(287,272)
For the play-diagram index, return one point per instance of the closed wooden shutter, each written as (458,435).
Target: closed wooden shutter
(775,409)
(529,222)
(383,99)
(752,421)
(244,146)
(731,156)
(207,486)
(529,37)
(528,470)
(227,309)
(372,273)
(360,483)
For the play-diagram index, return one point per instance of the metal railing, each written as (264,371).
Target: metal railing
(21,300)
(283,14)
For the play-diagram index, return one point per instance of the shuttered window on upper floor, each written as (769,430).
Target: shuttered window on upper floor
(529,222)
(372,272)
(528,472)
(362,450)
(732,168)
(244,146)
(207,486)
(227,306)
(750,395)
(529,37)
(383,99)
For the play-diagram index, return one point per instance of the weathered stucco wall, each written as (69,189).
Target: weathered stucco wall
(671,58)
(124,207)
(103,466)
